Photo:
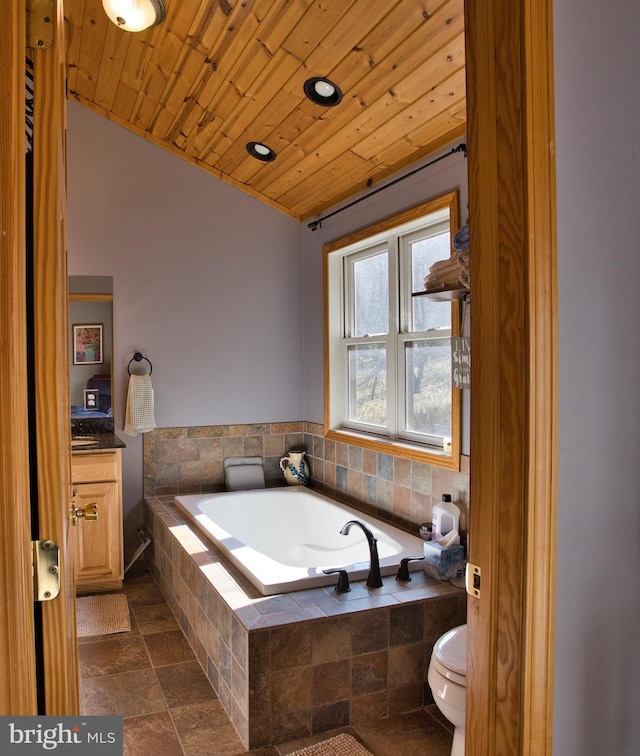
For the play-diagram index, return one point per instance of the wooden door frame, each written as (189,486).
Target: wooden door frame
(514,387)
(58,669)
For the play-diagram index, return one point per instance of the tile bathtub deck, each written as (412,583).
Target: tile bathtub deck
(256,611)
(152,678)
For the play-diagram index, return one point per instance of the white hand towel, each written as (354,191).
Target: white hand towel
(139,416)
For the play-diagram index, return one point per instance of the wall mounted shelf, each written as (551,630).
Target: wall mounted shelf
(443,295)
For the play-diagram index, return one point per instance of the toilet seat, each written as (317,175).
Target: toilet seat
(448,674)
(450,655)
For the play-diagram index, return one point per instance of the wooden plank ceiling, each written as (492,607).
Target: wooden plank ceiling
(217,74)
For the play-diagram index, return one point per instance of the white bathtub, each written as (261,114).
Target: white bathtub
(282,538)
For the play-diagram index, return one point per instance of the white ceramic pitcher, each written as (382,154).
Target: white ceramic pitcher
(295,469)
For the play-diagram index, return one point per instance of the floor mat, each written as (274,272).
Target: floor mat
(340,745)
(103,614)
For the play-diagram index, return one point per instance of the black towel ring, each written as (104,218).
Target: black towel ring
(137,357)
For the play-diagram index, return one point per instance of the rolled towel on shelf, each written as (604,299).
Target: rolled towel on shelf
(461,239)
(139,414)
(444,274)
(436,283)
(443,265)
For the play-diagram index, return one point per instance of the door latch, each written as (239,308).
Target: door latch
(472,579)
(89,512)
(46,570)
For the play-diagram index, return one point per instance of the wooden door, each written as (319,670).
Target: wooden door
(18,693)
(33,376)
(51,364)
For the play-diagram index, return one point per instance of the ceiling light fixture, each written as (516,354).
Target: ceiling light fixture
(135,15)
(322,91)
(261,152)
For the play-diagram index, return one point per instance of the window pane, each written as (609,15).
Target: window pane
(371,295)
(424,253)
(428,386)
(368,384)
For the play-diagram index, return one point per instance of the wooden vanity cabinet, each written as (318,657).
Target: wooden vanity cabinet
(99,549)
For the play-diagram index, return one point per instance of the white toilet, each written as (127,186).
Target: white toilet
(447,678)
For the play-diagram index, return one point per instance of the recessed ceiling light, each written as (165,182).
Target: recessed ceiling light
(322,91)
(324,88)
(261,151)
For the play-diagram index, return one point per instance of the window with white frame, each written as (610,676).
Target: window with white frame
(388,377)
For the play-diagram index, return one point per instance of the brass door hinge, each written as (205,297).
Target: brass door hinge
(46,570)
(472,579)
(40,23)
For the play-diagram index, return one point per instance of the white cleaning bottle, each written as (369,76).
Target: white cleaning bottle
(445,517)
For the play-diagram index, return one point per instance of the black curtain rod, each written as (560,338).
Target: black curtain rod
(314,225)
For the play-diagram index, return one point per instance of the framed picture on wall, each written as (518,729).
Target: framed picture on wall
(87,344)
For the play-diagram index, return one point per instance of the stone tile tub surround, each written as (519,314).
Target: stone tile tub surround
(293,665)
(189,460)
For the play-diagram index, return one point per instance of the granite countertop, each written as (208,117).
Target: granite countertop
(96,442)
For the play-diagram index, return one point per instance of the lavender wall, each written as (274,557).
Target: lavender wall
(597,681)
(206,284)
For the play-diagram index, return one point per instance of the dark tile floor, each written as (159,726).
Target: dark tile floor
(151,677)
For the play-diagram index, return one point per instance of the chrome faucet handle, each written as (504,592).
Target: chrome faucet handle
(403,570)
(343,580)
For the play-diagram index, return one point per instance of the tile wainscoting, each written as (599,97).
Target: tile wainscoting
(190,460)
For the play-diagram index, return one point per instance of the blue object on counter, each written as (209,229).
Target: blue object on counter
(442,562)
